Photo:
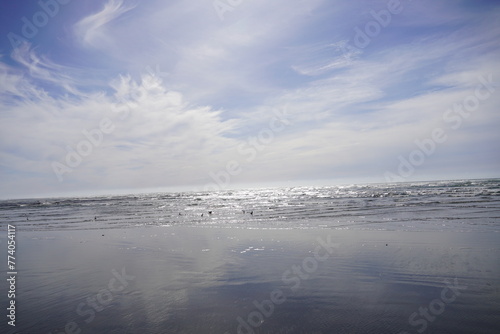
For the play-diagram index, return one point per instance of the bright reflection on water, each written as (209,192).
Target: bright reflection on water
(213,280)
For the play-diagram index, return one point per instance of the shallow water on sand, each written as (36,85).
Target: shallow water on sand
(193,279)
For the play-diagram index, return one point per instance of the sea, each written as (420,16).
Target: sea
(419,257)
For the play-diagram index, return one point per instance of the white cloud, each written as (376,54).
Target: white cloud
(157,137)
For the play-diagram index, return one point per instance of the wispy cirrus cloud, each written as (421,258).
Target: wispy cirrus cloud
(92,30)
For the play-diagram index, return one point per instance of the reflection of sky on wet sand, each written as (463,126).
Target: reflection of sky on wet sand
(200,280)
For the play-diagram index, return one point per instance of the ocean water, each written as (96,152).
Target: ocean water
(469,205)
(402,258)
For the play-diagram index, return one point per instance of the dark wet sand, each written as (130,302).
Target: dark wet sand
(229,280)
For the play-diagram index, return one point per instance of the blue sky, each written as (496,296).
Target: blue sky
(122,96)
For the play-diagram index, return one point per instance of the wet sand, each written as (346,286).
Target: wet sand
(236,280)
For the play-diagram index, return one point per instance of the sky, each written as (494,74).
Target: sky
(124,96)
